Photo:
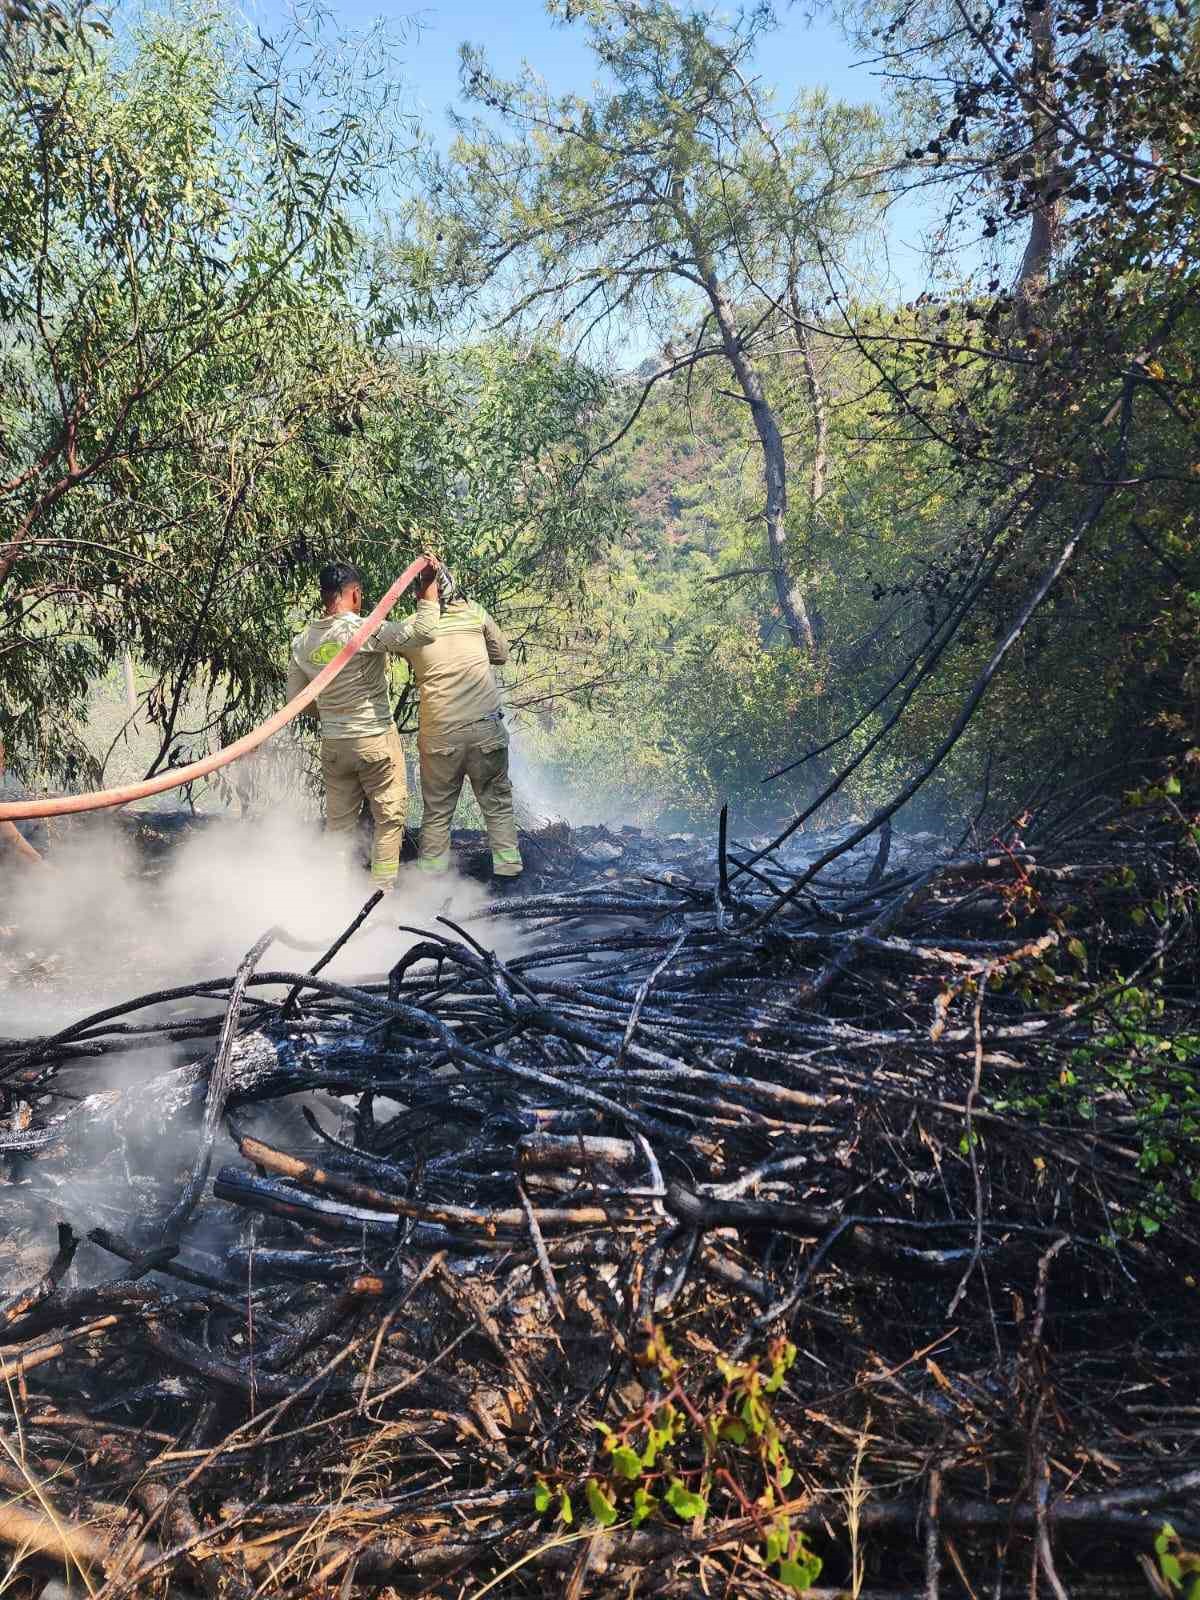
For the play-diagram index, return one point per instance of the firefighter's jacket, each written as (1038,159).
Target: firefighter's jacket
(450,653)
(355,705)
(453,671)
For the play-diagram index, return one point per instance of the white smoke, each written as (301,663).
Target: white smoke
(93,928)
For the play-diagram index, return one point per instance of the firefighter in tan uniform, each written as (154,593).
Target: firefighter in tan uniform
(461,735)
(361,756)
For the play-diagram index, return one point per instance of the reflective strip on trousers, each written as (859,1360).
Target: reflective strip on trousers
(507,863)
(434,863)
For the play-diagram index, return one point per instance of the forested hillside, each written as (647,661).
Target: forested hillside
(231,281)
(691,649)
(849,514)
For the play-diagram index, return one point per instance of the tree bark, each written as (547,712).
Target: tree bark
(1044,219)
(820,413)
(788,592)
(131,698)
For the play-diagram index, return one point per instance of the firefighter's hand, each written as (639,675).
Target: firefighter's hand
(429,590)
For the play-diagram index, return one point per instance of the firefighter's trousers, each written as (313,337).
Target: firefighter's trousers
(478,752)
(370,769)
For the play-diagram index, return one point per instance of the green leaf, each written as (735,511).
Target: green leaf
(566,1512)
(734,1430)
(541,1495)
(754,1414)
(1171,1568)
(626,1462)
(684,1503)
(799,1575)
(644,1505)
(775,1382)
(602,1508)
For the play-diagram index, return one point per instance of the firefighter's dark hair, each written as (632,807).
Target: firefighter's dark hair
(335,576)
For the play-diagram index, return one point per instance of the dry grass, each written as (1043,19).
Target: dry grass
(13,1513)
(855,1495)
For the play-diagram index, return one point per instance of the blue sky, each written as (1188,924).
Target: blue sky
(794,56)
(802,52)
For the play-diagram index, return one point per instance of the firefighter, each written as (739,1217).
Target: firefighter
(361,756)
(461,734)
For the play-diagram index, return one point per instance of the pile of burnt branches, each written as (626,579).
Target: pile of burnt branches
(363,1295)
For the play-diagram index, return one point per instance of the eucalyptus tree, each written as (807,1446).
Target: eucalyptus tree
(175,259)
(674,197)
(205,386)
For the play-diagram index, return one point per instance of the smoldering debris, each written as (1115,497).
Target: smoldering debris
(154,899)
(714,1196)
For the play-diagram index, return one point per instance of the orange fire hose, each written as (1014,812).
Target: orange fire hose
(22,810)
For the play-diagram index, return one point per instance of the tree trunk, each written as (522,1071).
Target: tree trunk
(788,592)
(1044,218)
(816,399)
(131,697)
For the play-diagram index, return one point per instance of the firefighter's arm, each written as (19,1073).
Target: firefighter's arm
(297,679)
(419,629)
(497,644)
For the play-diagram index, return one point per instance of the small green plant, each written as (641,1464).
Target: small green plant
(1179,1569)
(1140,1055)
(676,1453)
(1154,1072)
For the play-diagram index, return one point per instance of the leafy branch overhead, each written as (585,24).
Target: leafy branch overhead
(204,389)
